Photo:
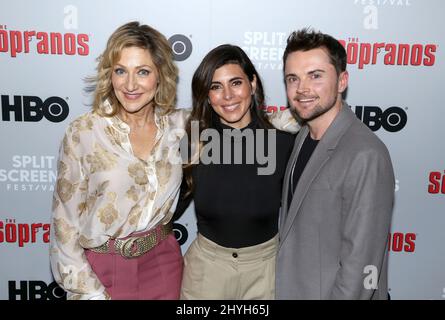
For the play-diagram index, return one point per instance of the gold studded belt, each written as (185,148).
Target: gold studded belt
(135,245)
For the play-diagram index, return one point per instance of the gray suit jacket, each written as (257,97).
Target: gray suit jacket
(334,235)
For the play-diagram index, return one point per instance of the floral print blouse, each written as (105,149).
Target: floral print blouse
(103,190)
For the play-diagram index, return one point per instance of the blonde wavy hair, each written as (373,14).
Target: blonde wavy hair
(134,34)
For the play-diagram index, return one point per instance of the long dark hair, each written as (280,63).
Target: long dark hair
(201,82)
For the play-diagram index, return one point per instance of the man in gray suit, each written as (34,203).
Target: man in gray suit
(339,185)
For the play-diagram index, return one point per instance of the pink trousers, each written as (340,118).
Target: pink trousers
(156,275)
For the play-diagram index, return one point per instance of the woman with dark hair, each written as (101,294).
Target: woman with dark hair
(235,180)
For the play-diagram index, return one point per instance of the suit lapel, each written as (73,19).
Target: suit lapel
(318,159)
(286,185)
(320,156)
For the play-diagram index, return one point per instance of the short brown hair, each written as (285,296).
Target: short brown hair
(307,39)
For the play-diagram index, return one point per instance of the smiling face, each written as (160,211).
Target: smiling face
(135,80)
(230,95)
(313,87)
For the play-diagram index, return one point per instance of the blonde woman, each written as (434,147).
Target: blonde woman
(116,186)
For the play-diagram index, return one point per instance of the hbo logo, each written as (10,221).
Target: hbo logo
(392,119)
(181,46)
(35,290)
(181,233)
(33,109)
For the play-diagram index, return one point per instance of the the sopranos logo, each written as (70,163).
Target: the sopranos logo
(29,173)
(23,233)
(15,42)
(402,242)
(436,182)
(272,109)
(33,108)
(35,290)
(392,119)
(265,48)
(394,54)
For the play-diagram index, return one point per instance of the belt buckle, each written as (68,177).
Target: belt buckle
(144,244)
(126,248)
